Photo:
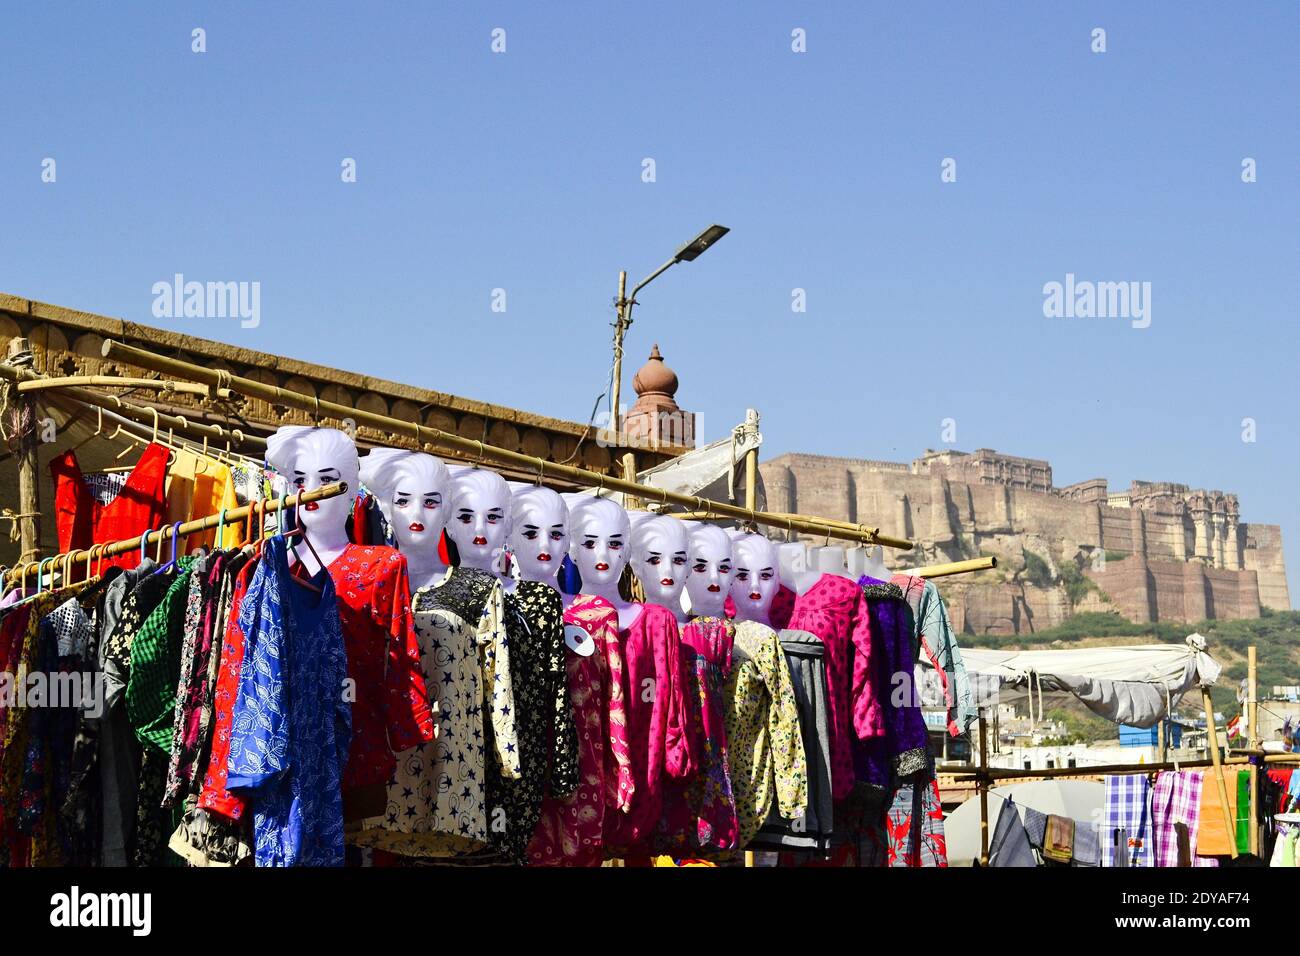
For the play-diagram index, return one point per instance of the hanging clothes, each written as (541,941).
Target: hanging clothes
(82,519)
(391,710)
(700,812)
(765,749)
(544,724)
(835,610)
(904,747)
(657,723)
(1212,839)
(292,723)
(570,829)
(935,638)
(437,799)
(119,757)
(805,657)
(1175,803)
(150,702)
(1126,821)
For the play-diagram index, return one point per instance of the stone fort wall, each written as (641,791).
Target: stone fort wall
(1158,552)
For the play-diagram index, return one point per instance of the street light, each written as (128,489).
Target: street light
(687,253)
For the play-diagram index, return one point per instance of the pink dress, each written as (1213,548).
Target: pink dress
(657,726)
(701,812)
(571,831)
(835,610)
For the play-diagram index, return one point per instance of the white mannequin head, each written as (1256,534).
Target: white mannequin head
(599,536)
(480,518)
(309,458)
(539,532)
(711,570)
(659,555)
(413,490)
(757,577)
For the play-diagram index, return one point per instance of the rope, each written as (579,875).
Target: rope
(14,517)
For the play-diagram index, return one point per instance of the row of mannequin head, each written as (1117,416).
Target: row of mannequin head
(486,517)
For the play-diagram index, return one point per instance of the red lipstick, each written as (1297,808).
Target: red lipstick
(602,566)
(312,506)
(416,526)
(543,557)
(480,540)
(666,582)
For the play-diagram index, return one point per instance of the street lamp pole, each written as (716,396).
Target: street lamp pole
(624,303)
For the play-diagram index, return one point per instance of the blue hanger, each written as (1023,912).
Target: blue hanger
(144,543)
(175,538)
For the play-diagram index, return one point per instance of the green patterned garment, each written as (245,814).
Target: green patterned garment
(156,663)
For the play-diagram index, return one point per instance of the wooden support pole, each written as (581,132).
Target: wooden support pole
(29,496)
(982,787)
(1252,740)
(751,502)
(629,474)
(1215,757)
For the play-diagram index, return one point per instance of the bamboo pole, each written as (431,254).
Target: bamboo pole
(481,452)
(982,787)
(955,567)
(233,515)
(114,381)
(1252,734)
(1215,757)
(962,773)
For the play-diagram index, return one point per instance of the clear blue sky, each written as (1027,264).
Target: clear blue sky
(522,171)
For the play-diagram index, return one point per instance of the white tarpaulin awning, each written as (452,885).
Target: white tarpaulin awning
(1134,685)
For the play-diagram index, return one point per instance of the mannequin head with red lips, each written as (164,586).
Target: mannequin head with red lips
(412,490)
(310,458)
(757,577)
(539,532)
(659,554)
(480,518)
(711,569)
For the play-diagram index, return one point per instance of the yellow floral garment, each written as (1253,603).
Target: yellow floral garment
(765,748)
(437,801)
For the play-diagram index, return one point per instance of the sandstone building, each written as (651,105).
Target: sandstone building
(1156,552)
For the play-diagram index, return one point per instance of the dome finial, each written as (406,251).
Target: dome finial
(655,377)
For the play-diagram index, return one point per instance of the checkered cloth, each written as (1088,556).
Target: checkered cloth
(1127,821)
(1176,799)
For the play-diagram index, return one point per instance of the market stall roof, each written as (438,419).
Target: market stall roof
(1135,685)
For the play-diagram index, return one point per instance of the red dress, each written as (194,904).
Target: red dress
(390,709)
(81,519)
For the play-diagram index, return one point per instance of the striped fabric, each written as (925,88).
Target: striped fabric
(1176,799)
(1126,829)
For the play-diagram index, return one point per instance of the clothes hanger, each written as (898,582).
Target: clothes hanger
(175,539)
(293,536)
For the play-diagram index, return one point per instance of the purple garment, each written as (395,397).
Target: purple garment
(903,749)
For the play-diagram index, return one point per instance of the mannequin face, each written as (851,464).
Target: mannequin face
(712,568)
(659,560)
(320,458)
(480,509)
(599,548)
(539,536)
(417,508)
(757,577)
